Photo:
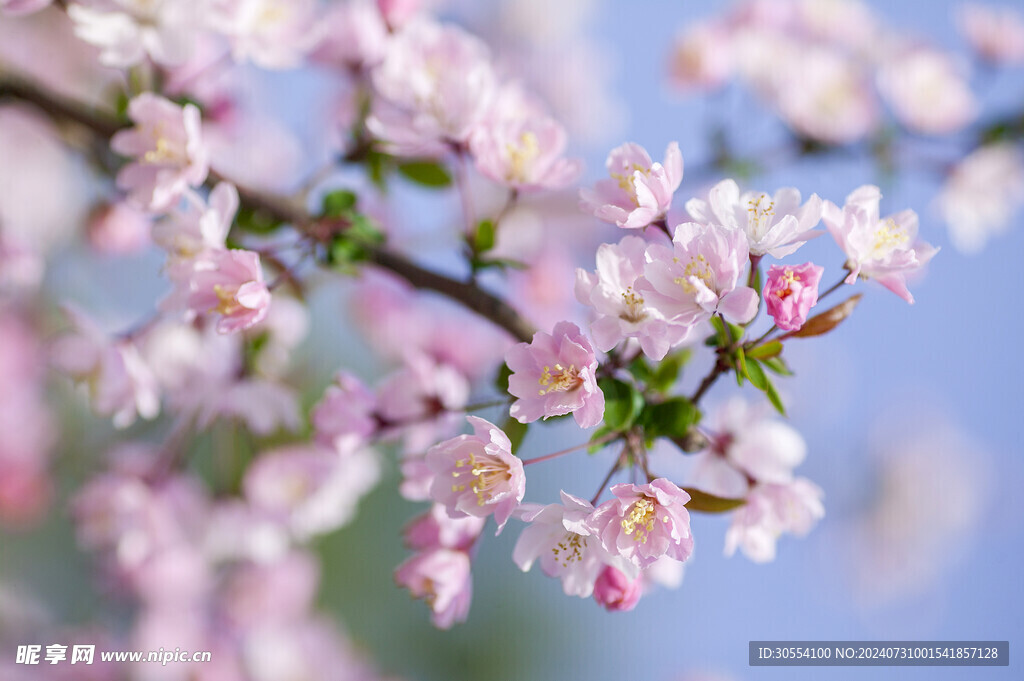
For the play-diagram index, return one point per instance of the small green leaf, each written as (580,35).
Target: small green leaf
(602,430)
(338,203)
(501,263)
(741,366)
(777,365)
(640,369)
(501,380)
(827,320)
(426,173)
(774,398)
(667,372)
(484,239)
(256,221)
(765,350)
(710,503)
(364,230)
(378,166)
(516,431)
(720,331)
(622,403)
(735,330)
(755,373)
(671,418)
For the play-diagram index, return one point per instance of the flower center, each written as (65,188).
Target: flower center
(640,521)
(789,277)
(634,306)
(520,156)
(761,211)
(697,267)
(486,473)
(888,237)
(570,549)
(227,302)
(562,380)
(163,151)
(627,180)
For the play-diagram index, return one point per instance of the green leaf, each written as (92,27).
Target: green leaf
(710,503)
(337,203)
(426,173)
(501,380)
(827,320)
(777,365)
(484,239)
(501,263)
(720,331)
(516,431)
(622,403)
(765,350)
(774,398)
(602,430)
(364,230)
(640,369)
(256,221)
(666,373)
(378,166)
(671,418)
(755,373)
(735,330)
(741,366)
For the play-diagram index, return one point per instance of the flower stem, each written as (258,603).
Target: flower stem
(589,443)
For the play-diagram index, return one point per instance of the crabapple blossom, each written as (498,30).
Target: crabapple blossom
(397,12)
(435,84)
(524,154)
(555,374)
(345,412)
(272,34)
(120,383)
(559,536)
(621,310)
(477,474)
(119,229)
(616,592)
(996,33)
(926,93)
(437,529)
(167,148)
(230,283)
(442,578)
(639,191)
(353,34)
(698,275)
(774,225)
(127,31)
(771,510)
(981,195)
(16,7)
(746,446)
(886,250)
(645,522)
(198,227)
(702,58)
(791,292)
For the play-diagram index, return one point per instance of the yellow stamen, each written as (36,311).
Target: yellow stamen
(562,380)
(697,267)
(640,521)
(487,474)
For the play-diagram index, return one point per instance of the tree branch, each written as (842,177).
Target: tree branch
(105,124)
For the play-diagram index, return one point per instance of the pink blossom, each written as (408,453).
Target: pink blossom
(559,536)
(622,311)
(436,529)
(421,401)
(476,474)
(698,275)
(345,412)
(524,154)
(616,592)
(770,511)
(435,84)
(702,58)
(272,34)
(791,292)
(16,7)
(639,191)
(982,194)
(746,445)
(119,382)
(886,250)
(555,374)
(119,229)
(996,33)
(230,283)
(398,12)
(282,590)
(168,151)
(443,579)
(198,227)
(353,34)
(312,489)
(129,30)
(774,225)
(926,92)
(645,522)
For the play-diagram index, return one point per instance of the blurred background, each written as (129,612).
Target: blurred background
(910,413)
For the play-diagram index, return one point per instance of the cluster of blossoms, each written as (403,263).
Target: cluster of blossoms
(231,569)
(826,68)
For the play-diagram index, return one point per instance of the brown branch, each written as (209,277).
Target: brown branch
(105,124)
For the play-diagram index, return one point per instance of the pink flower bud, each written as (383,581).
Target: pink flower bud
(791,292)
(615,591)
